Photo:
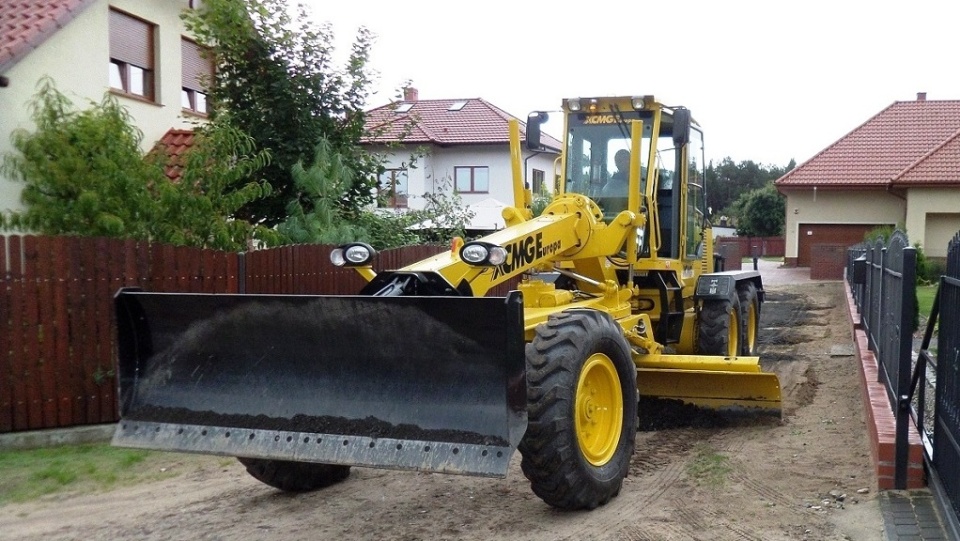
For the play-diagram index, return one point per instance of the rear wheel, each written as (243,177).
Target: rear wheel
(750,307)
(294,476)
(581,394)
(719,329)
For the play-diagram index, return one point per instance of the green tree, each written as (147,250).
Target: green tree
(214,185)
(83,171)
(84,174)
(761,212)
(278,82)
(324,182)
(727,181)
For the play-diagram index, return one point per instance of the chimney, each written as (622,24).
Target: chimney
(410,94)
(921,96)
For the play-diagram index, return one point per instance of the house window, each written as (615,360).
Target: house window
(394,188)
(197,74)
(537,181)
(472,179)
(132,55)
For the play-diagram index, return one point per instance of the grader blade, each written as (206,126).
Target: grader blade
(421,383)
(735,385)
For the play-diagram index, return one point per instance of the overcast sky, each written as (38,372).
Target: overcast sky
(769,80)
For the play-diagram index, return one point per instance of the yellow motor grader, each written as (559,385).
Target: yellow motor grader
(420,370)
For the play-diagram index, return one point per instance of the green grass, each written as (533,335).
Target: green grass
(709,467)
(30,474)
(925,296)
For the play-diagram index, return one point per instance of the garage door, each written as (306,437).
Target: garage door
(845,234)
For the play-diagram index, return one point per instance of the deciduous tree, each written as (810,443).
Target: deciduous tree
(278,80)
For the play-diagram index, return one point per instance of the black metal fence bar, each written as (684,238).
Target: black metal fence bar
(946,438)
(883,284)
(887,302)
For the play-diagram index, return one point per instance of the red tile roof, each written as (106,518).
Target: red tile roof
(25,24)
(436,122)
(939,167)
(175,143)
(910,143)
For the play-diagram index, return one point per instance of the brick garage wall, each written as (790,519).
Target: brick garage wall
(827,261)
(730,250)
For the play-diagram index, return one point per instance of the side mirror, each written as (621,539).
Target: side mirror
(534,120)
(681,127)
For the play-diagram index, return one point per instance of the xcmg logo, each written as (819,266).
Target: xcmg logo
(524,252)
(600,119)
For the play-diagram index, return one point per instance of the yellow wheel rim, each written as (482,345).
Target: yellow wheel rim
(733,334)
(751,327)
(599,409)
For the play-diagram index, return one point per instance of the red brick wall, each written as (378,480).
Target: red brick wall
(827,261)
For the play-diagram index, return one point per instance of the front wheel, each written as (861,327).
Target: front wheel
(581,396)
(719,329)
(291,476)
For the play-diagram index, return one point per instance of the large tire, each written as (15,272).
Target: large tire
(719,331)
(750,310)
(294,476)
(582,395)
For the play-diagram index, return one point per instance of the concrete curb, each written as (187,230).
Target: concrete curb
(57,436)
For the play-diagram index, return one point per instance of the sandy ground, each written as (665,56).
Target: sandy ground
(806,477)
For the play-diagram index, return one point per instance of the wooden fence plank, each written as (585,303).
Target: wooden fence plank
(105,372)
(312,269)
(31,350)
(61,331)
(88,259)
(289,281)
(233,273)
(76,309)
(208,273)
(18,373)
(46,364)
(6,348)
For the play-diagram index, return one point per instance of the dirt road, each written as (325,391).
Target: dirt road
(801,478)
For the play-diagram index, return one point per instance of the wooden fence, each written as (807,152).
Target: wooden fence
(57,343)
(754,246)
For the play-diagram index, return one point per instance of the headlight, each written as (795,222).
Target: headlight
(474,253)
(356,254)
(482,253)
(637,103)
(498,255)
(573,104)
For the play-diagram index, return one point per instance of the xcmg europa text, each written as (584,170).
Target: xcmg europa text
(524,252)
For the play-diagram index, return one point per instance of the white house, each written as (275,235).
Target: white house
(137,50)
(899,168)
(466,147)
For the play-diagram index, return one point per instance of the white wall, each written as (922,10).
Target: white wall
(77,57)
(933,218)
(838,207)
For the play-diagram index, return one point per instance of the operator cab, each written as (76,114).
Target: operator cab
(598,160)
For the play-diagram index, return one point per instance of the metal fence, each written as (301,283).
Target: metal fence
(946,363)
(887,305)
(883,283)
